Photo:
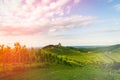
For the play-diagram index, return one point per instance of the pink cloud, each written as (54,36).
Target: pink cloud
(20,31)
(61,23)
(23,11)
(37,16)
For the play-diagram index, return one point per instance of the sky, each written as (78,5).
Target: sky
(38,23)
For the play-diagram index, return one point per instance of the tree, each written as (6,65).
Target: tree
(17,47)
(3,55)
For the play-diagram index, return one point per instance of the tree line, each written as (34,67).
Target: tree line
(20,55)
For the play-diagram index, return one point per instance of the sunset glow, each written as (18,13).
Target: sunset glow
(71,22)
(59,39)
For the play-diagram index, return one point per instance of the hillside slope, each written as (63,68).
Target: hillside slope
(108,54)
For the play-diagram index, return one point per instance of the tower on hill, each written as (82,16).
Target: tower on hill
(59,45)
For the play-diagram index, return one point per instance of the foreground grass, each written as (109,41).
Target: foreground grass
(61,72)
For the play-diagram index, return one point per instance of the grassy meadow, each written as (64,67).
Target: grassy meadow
(61,72)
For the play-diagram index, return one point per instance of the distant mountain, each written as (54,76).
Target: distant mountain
(114,48)
(109,49)
(86,46)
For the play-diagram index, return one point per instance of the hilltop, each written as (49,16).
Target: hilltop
(88,55)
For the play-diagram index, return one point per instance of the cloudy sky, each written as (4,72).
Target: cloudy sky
(71,22)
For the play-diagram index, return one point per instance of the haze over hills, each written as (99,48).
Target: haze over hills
(87,46)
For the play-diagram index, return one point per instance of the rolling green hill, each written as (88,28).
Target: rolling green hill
(98,55)
(68,63)
(111,49)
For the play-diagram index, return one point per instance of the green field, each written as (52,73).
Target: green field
(61,72)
